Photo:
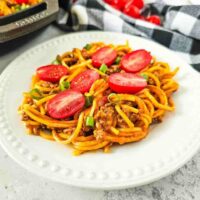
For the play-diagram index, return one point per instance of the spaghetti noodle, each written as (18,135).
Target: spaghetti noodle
(109,118)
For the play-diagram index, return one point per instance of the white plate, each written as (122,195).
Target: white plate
(168,146)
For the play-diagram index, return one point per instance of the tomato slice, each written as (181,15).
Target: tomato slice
(65,104)
(136,60)
(51,73)
(104,55)
(84,80)
(126,83)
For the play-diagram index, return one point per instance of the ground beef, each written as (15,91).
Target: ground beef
(49,84)
(106,117)
(73,61)
(157,120)
(25,117)
(113,69)
(85,54)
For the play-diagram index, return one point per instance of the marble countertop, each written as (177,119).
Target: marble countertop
(18,184)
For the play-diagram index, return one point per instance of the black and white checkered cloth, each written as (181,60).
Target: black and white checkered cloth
(180,31)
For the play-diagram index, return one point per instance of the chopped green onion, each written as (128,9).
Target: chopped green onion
(145,76)
(118,59)
(36,94)
(87,47)
(56,62)
(88,101)
(64,85)
(103,68)
(90,121)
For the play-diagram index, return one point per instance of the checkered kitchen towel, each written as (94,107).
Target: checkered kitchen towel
(180,31)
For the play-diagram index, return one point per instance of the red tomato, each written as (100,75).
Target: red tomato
(22,1)
(118,4)
(138,3)
(65,104)
(115,6)
(51,73)
(109,1)
(136,60)
(104,55)
(142,18)
(126,83)
(84,80)
(155,19)
(122,3)
(132,11)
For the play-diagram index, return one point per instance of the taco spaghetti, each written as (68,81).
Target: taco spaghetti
(98,96)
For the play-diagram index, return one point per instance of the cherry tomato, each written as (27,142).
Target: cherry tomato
(104,55)
(65,104)
(51,73)
(117,4)
(122,3)
(136,60)
(132,11)
(155,19)
(22,1)
(143,18)
(84,80)
(126,83)
(138,3)
(109,1)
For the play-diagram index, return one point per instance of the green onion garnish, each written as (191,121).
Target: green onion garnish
(118,59)
(87,47)
(36,94)
(64,85)
(56,62)
(103,68)
(88,101)
(145,76)
(90,121)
